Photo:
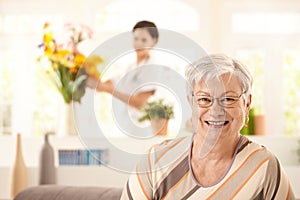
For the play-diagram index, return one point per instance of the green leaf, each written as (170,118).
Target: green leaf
(157,110)
(78,82)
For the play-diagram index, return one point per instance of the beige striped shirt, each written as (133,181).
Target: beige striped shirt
(255,173)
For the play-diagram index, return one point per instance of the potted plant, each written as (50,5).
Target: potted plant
(158,113)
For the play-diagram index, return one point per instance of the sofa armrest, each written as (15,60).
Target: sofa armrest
(54,192)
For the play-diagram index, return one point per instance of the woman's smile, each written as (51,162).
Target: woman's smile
(217,124)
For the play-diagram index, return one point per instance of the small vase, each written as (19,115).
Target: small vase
(47,173)
(19,178)
(159,126)
(70,124)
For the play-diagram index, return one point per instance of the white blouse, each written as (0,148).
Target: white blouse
(135,79)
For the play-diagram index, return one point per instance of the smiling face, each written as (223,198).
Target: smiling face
(216,120)
(142,40)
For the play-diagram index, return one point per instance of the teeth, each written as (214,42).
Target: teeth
(216,123)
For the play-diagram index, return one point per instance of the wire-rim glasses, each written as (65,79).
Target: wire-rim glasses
(207,101)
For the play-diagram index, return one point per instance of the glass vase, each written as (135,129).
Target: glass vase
(70,125)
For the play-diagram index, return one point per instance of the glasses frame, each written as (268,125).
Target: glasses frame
(236,98)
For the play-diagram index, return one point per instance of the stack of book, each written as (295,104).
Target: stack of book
(82,157)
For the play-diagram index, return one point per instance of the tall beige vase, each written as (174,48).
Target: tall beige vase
(19,176)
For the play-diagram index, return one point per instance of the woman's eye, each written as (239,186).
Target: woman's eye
(204,100)
(228,99)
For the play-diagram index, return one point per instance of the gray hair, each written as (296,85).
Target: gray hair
(215,65)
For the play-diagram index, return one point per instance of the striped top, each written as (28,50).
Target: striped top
(255,173)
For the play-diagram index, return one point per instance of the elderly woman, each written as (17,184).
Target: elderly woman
(216,162)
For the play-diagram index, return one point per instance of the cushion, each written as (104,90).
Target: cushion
(54,192)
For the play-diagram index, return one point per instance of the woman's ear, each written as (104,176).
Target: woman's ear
(155,40)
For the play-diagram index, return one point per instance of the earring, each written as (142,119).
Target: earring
(246,122)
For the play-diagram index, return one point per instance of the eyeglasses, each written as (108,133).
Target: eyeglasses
(226,102)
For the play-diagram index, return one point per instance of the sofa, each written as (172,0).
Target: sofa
(55,192)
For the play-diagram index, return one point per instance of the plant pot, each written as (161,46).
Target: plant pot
(260,124)
(159,126)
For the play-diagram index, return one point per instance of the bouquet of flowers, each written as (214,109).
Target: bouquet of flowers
(67,67)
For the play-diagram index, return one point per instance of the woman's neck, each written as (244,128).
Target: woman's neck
(141,57)
(213,149)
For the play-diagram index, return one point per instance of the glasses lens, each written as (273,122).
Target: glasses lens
(227,101)
(204,101)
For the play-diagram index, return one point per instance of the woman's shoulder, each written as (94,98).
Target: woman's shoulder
(173,143)
(249,149)
(170,150)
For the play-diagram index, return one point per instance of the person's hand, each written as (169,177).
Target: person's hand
(91,83)
(106,86)
(100,86)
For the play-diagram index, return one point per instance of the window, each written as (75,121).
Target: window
(267,40)
(254,60)
(266,23)
(6,79)
(22,85)
(291,85)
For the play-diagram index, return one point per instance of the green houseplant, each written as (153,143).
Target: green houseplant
(249,129)
(158,113)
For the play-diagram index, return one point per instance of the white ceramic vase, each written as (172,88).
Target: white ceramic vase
(47,171)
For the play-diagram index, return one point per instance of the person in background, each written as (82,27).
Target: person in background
(145,36)
(216,161)
(125,87)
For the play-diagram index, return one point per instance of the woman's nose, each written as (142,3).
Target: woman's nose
(138,44)
(216,109)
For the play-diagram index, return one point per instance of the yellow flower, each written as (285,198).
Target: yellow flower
(90,66)
(63,53)
(79,59)
(48,72)
(65,61)
(49,48)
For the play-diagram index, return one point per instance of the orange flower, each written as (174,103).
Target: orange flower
(46,25)
(74,70)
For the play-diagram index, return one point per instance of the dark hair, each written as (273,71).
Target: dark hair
(149,26)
